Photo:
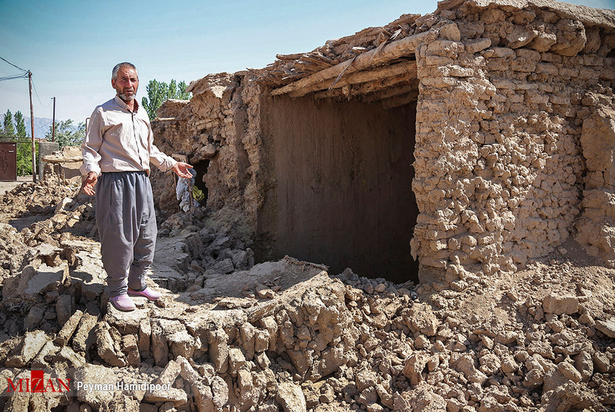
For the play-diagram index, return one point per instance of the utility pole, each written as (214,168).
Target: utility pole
(53,130)
(32,129)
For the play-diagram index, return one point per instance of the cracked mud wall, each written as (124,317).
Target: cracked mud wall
(220,125)
(596,227)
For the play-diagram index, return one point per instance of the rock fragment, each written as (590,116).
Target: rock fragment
(68,329)
(30,345)
(290,397)
(561,304)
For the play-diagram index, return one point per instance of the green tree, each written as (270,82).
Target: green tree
(20,125)
(24,158)
(7,124)
(67,134)
(158,92)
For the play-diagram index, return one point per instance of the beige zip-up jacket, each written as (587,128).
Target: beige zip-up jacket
(119,140)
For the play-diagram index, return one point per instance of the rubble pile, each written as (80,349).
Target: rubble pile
(228,335)
(35,199)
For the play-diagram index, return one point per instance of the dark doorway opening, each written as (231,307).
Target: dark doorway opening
(201,169)
(343,185)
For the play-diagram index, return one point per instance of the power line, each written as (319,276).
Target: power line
(26,74)
(16,76)
(17,67)
(39,99)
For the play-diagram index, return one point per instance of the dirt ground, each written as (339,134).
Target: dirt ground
(230,335)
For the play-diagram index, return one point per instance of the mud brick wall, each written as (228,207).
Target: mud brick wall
(507,97)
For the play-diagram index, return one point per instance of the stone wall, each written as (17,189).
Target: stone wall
(506,97)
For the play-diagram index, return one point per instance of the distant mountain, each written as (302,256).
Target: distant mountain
(41,126)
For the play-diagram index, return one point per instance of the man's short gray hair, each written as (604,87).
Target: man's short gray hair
(119,66)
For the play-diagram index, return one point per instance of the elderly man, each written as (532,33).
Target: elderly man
(117,151)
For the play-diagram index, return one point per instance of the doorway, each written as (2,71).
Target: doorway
(343,185)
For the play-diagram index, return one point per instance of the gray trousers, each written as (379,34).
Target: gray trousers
(126,223)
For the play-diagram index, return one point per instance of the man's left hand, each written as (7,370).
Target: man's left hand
(181,170)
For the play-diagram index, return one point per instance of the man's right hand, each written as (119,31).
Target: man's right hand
(88,184)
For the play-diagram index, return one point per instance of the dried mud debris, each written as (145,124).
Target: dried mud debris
(287,336)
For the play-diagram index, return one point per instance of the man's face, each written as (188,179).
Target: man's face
(127,83)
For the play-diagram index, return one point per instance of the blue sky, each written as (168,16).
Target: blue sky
(71,46)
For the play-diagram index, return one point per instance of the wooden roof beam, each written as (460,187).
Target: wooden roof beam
(407,69)
(369,90)
(367,60)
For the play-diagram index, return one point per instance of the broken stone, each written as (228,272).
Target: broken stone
(106,348)
(236,360)
(65,306)
(584,364)
(569,371)
(68,356)
(35,281)
(34,317)
(68,329)
(290,397)
(466,366)
(89,277)
(607,327)
(421,319)
(126,322)
(219,350)
(414,367)
(366,379)
(40,360)
(561,304)
(30,345)
(601,362)
(221,392)
(168,377)
(145,333)
(183,344)
(551,380)
(84,338)
(159,347)
(131,350)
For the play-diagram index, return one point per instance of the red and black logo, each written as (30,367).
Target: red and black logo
(37,384)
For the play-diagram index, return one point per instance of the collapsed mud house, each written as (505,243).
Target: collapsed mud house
(469,140)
